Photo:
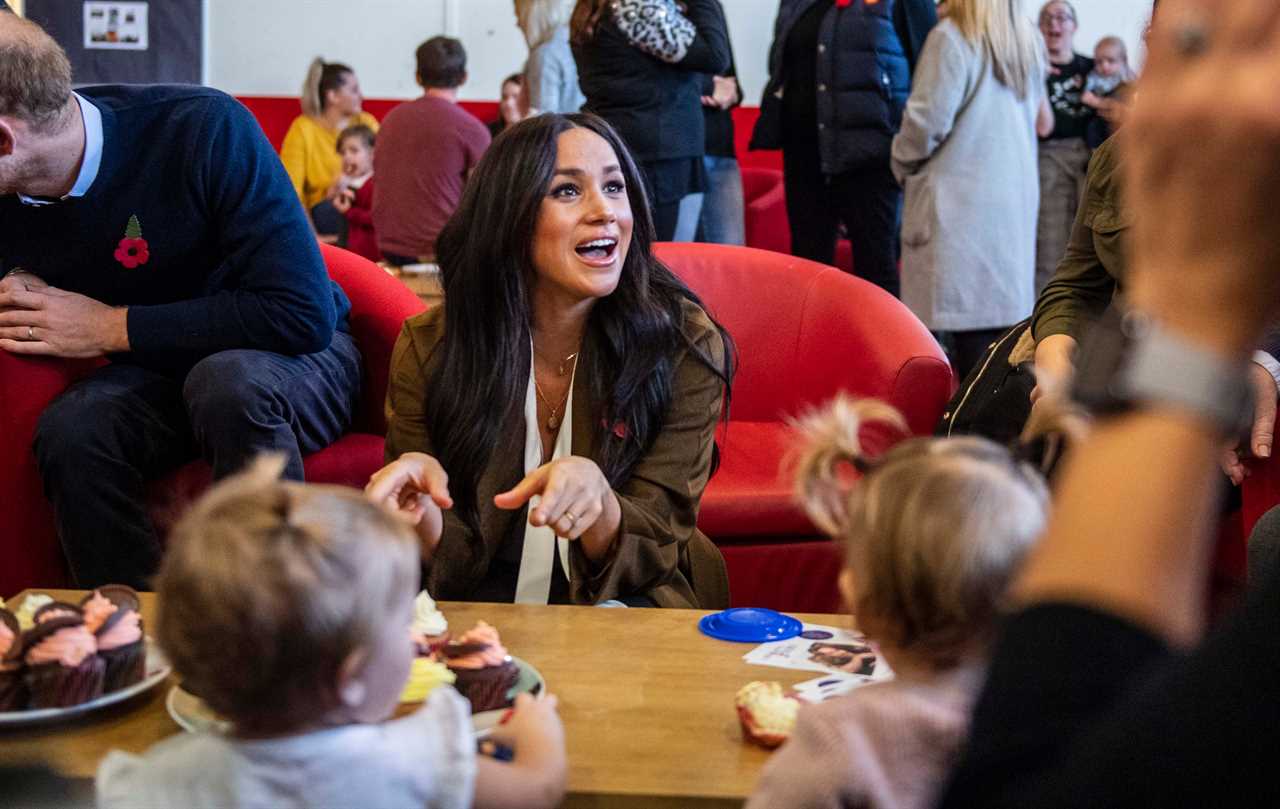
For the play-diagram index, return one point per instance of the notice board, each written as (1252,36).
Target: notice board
(126,42)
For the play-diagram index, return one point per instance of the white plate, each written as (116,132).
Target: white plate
(192,715)
(157,670)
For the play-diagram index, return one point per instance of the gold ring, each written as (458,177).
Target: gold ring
(573,519)
(31,334)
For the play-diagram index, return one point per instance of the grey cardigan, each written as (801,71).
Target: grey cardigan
(552,75)
(966,158)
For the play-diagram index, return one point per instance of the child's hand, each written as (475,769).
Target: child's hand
(534,726)
(1091,99)
(344,201)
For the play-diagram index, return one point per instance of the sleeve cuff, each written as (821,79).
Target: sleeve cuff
(1269,362)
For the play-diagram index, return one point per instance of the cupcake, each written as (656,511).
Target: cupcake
(63,667)
(26,612)
(484,670)
(425,676)
(429,630)
(767,714)
(13,690)
(111,614)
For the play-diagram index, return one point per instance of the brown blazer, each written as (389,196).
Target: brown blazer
(659,551)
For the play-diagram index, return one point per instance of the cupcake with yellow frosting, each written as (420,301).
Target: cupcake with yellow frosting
(425,676)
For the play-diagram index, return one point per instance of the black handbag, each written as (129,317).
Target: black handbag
(994,400)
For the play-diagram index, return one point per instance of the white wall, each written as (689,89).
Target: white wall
(262,47)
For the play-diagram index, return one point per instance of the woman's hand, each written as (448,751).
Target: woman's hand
(576,502)
(416,488)
(1054,364)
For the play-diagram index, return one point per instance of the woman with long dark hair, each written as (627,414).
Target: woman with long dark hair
(551,427)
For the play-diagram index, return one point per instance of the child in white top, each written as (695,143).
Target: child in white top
(1106,90)
(932,534)
(287,608)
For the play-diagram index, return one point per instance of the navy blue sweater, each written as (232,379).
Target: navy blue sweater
(231,260)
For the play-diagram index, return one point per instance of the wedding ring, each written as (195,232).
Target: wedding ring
(31,334)
(573,519)
(1191,39)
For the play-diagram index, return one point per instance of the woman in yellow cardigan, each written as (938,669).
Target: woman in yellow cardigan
(330,103)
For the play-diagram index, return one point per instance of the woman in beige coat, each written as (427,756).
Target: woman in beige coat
(966,157)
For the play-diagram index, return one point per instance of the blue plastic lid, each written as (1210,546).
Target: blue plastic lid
(749,625)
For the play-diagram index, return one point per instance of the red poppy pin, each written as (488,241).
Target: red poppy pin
(843,3)
(132,249)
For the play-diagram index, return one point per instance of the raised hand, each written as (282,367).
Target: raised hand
(415,487)
(574,496)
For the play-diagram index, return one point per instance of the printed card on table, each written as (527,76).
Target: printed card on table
(826,649)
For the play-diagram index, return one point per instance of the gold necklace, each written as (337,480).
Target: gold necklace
(553,420)
(560,364)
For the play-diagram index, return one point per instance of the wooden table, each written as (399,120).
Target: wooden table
(647,703)
(426,285)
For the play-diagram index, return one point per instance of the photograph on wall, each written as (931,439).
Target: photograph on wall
(115,26)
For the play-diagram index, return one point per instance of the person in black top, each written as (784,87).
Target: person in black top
(1064,154)
(639,65)
(723,215)
(839,77)
(1101,691)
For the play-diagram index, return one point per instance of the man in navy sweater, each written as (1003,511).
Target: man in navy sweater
(155,226)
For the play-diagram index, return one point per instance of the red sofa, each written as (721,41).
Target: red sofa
(804,332)
(765,210)
(28,545)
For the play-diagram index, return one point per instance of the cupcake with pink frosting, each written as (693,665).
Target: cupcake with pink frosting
(484,669)
(13,690)
(63,667)
(112,614)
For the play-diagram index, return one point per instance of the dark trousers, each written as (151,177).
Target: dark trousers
(867,202)
(968,348)
(103,438)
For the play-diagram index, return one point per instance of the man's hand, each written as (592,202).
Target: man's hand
(48,321)
(1264,419)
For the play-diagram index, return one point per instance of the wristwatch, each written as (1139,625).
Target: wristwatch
(1128,360)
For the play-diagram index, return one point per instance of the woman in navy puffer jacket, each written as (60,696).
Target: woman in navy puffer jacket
(839,78)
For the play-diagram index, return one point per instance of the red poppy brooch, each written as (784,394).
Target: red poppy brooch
(132,249)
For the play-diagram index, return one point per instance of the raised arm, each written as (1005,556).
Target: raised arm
(1082,708)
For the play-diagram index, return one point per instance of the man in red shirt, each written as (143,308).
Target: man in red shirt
(426,149)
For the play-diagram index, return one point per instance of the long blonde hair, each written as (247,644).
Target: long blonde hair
(933,531)
(539,19)
(1009,37)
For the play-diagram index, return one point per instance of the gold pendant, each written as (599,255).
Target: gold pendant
(553,423)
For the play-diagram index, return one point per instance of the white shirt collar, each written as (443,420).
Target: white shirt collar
(92,159)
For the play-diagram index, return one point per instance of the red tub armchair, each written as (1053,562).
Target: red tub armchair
(804,332)
(28,543)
